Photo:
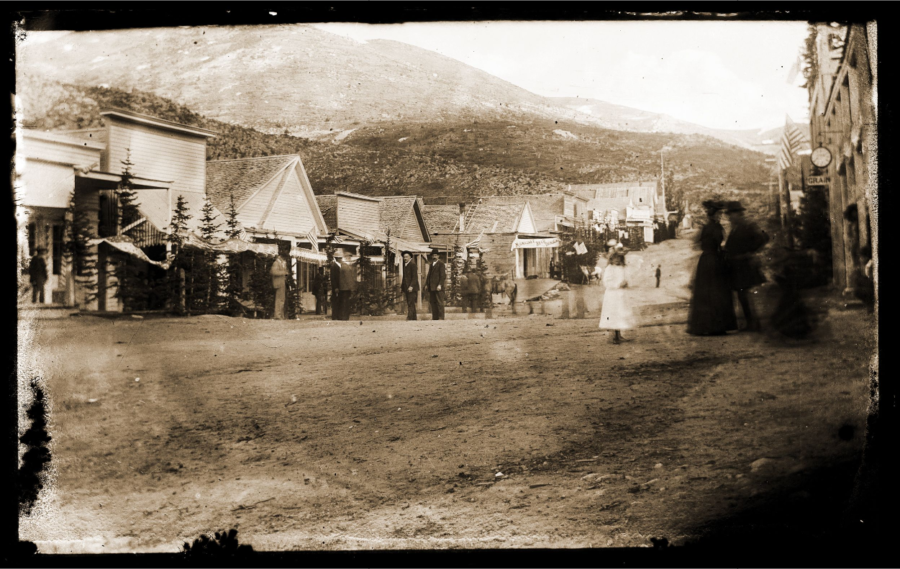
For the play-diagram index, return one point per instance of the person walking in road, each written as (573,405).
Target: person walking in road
(658,274)
(410,286)
(434,282)
(744,241)
(711,311)
(615,313)
(37,275)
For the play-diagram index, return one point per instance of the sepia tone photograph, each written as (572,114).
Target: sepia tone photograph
(499,284)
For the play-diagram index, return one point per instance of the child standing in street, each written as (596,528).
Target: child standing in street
(615,314)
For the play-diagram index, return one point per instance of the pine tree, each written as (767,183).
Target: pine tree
(132,288)
(178,228)
(78,251)
(208,272)
(231,222)
(128,197)
(365,293)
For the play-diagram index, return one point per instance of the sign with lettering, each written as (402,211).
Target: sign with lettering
(535,243)
(817,180)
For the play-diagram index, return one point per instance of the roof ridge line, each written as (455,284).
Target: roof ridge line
(255,158)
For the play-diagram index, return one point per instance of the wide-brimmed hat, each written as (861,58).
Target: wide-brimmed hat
(713,205)
(619,246)
(338,253)
(734,206)
(611,243)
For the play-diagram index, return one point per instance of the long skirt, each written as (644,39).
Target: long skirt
(712,305)
(616,314)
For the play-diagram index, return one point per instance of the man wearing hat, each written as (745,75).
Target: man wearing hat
(410,286)
(336,298)
(37,274)
(437,276)
(348,286)
(744,241)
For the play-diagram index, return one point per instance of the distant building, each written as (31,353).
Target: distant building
(630,204)
(843,119)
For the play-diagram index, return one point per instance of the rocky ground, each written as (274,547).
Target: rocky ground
(527,431)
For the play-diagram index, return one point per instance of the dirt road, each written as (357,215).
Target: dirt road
(515,432)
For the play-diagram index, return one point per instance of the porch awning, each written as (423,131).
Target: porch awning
(130,249)
(403,245)
(233,245)
(307,255)
(532,243)
(45,184)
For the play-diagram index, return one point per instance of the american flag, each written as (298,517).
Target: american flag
(313,240)
(791,142)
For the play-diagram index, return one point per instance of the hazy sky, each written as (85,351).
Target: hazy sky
(729,75)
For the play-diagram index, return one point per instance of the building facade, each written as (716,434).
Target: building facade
(843,120)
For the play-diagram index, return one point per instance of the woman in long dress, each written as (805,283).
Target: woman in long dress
(616,315)
(711,311)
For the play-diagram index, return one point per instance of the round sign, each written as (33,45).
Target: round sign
(821,157)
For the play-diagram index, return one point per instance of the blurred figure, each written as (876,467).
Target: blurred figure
(744,240)
(320,290)
(37,275)
(658,275)
(473,291)
(711,311)
(792,318)
(336,305)
(863,281)
(279,271)
(615,314)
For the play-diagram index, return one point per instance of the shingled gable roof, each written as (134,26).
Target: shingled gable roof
(396,210)
(545,208)
(245,177)
(495,217)
(242,176)
(441,218)
(328,207)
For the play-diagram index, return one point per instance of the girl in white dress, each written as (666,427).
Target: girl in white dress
(616,315)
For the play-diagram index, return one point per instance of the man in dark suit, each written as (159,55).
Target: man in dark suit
(349,285)
(437,276)
(744,240)
(336,306)
(410,286)
(37,273)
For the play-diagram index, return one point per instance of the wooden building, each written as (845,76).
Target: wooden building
(843,121)
(169,160)
(275,203)
(502,230)
(630,204)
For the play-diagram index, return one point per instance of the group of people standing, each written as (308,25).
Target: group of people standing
(434,284)
(727,263)
(343,284)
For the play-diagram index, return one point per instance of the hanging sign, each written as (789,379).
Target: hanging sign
(817,180)
(535,243)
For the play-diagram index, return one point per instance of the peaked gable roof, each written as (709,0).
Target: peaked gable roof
(242,177)
(441,218)
(495,217)
(249,178)
(396,212)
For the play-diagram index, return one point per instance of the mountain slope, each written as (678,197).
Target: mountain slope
(458,157)
(308,82)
